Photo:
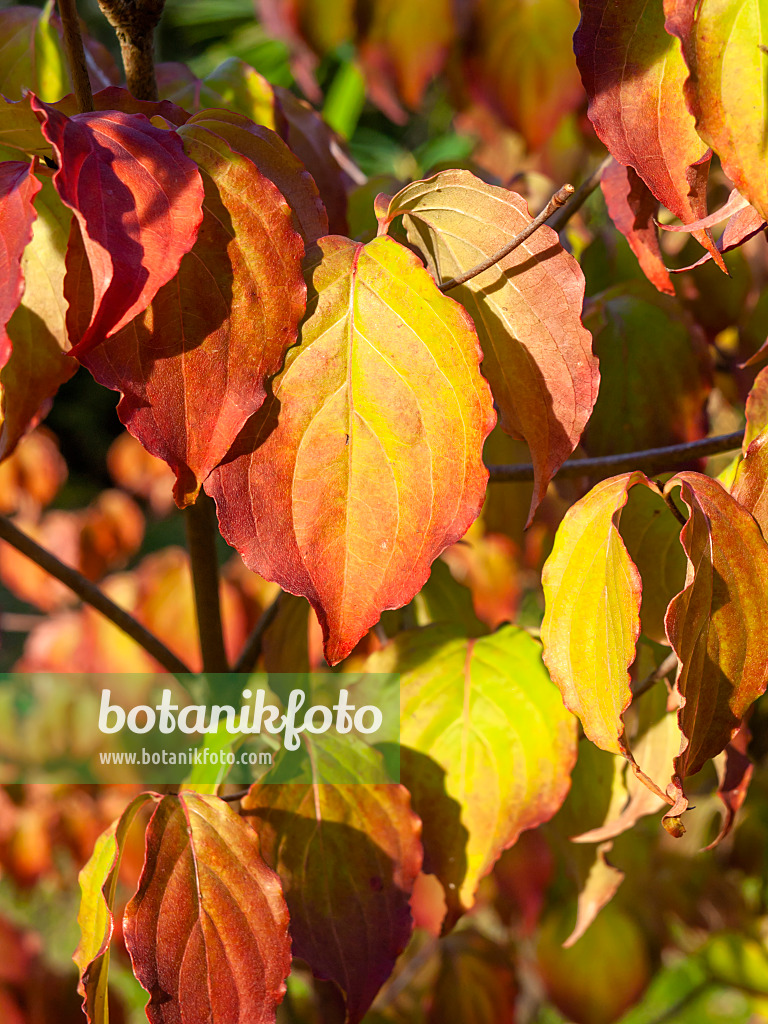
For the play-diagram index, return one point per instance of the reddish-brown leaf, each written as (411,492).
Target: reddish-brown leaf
(137,199)
(750,487)
(348,857)
(756,409)
(275,160)
(716,625)
(632,208)
(734,774)
(742,226)
(192,368)
(366,464)
(18,188)
(527,308)
(634,73)
(207,930)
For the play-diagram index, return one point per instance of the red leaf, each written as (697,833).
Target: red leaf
(742,226)
(348,857)
(634,73)
(18,188)
(137,198)
(632,208)
(192,368)
(207,930)
(716,625)
(734,774)
(366,464)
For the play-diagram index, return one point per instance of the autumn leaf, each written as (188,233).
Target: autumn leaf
(537,354)
(274,159)
(223,953)
(98,881)
(135,242)
(592,592)
(476,982)
(39,362)
(18,187)
(519,58)
(750,487)
(634,73)
(715,624)
(193,367)
(485,714)
(734,774)
(633,207)
(723,43)
(348,857)
(374,465)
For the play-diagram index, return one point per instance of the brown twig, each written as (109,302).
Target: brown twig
(90,594)
(249,655)
(134,22)
(561,217)
(73,46)
(202,531)
(650,460)
(669,663)
(558,199)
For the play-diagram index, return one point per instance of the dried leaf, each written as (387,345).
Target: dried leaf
(632,208)
(223,953)
(715,625)
(98,881)
(348,857)
(634,73)
(374,464)
(135,242)
(490,740)
(537,355)
(744,224)
(750,488)
(18,188)
(193,367)
(601,886)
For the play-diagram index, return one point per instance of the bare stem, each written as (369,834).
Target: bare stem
(202,531)
(249,655)
(558,199)
(90,594)
(134,22)
(579,197)
(73,45)
(651,460)
(669,501)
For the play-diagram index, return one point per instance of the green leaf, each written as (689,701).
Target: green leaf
(486,714)
(98,881)
(655,371)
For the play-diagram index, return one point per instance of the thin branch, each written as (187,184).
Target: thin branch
(669,502)
(249,655)
(669,663)
(134,22)
(73,46)
(561,217)
(90,594)
(232,798)
(650,460)
(202,531)
(558,199)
